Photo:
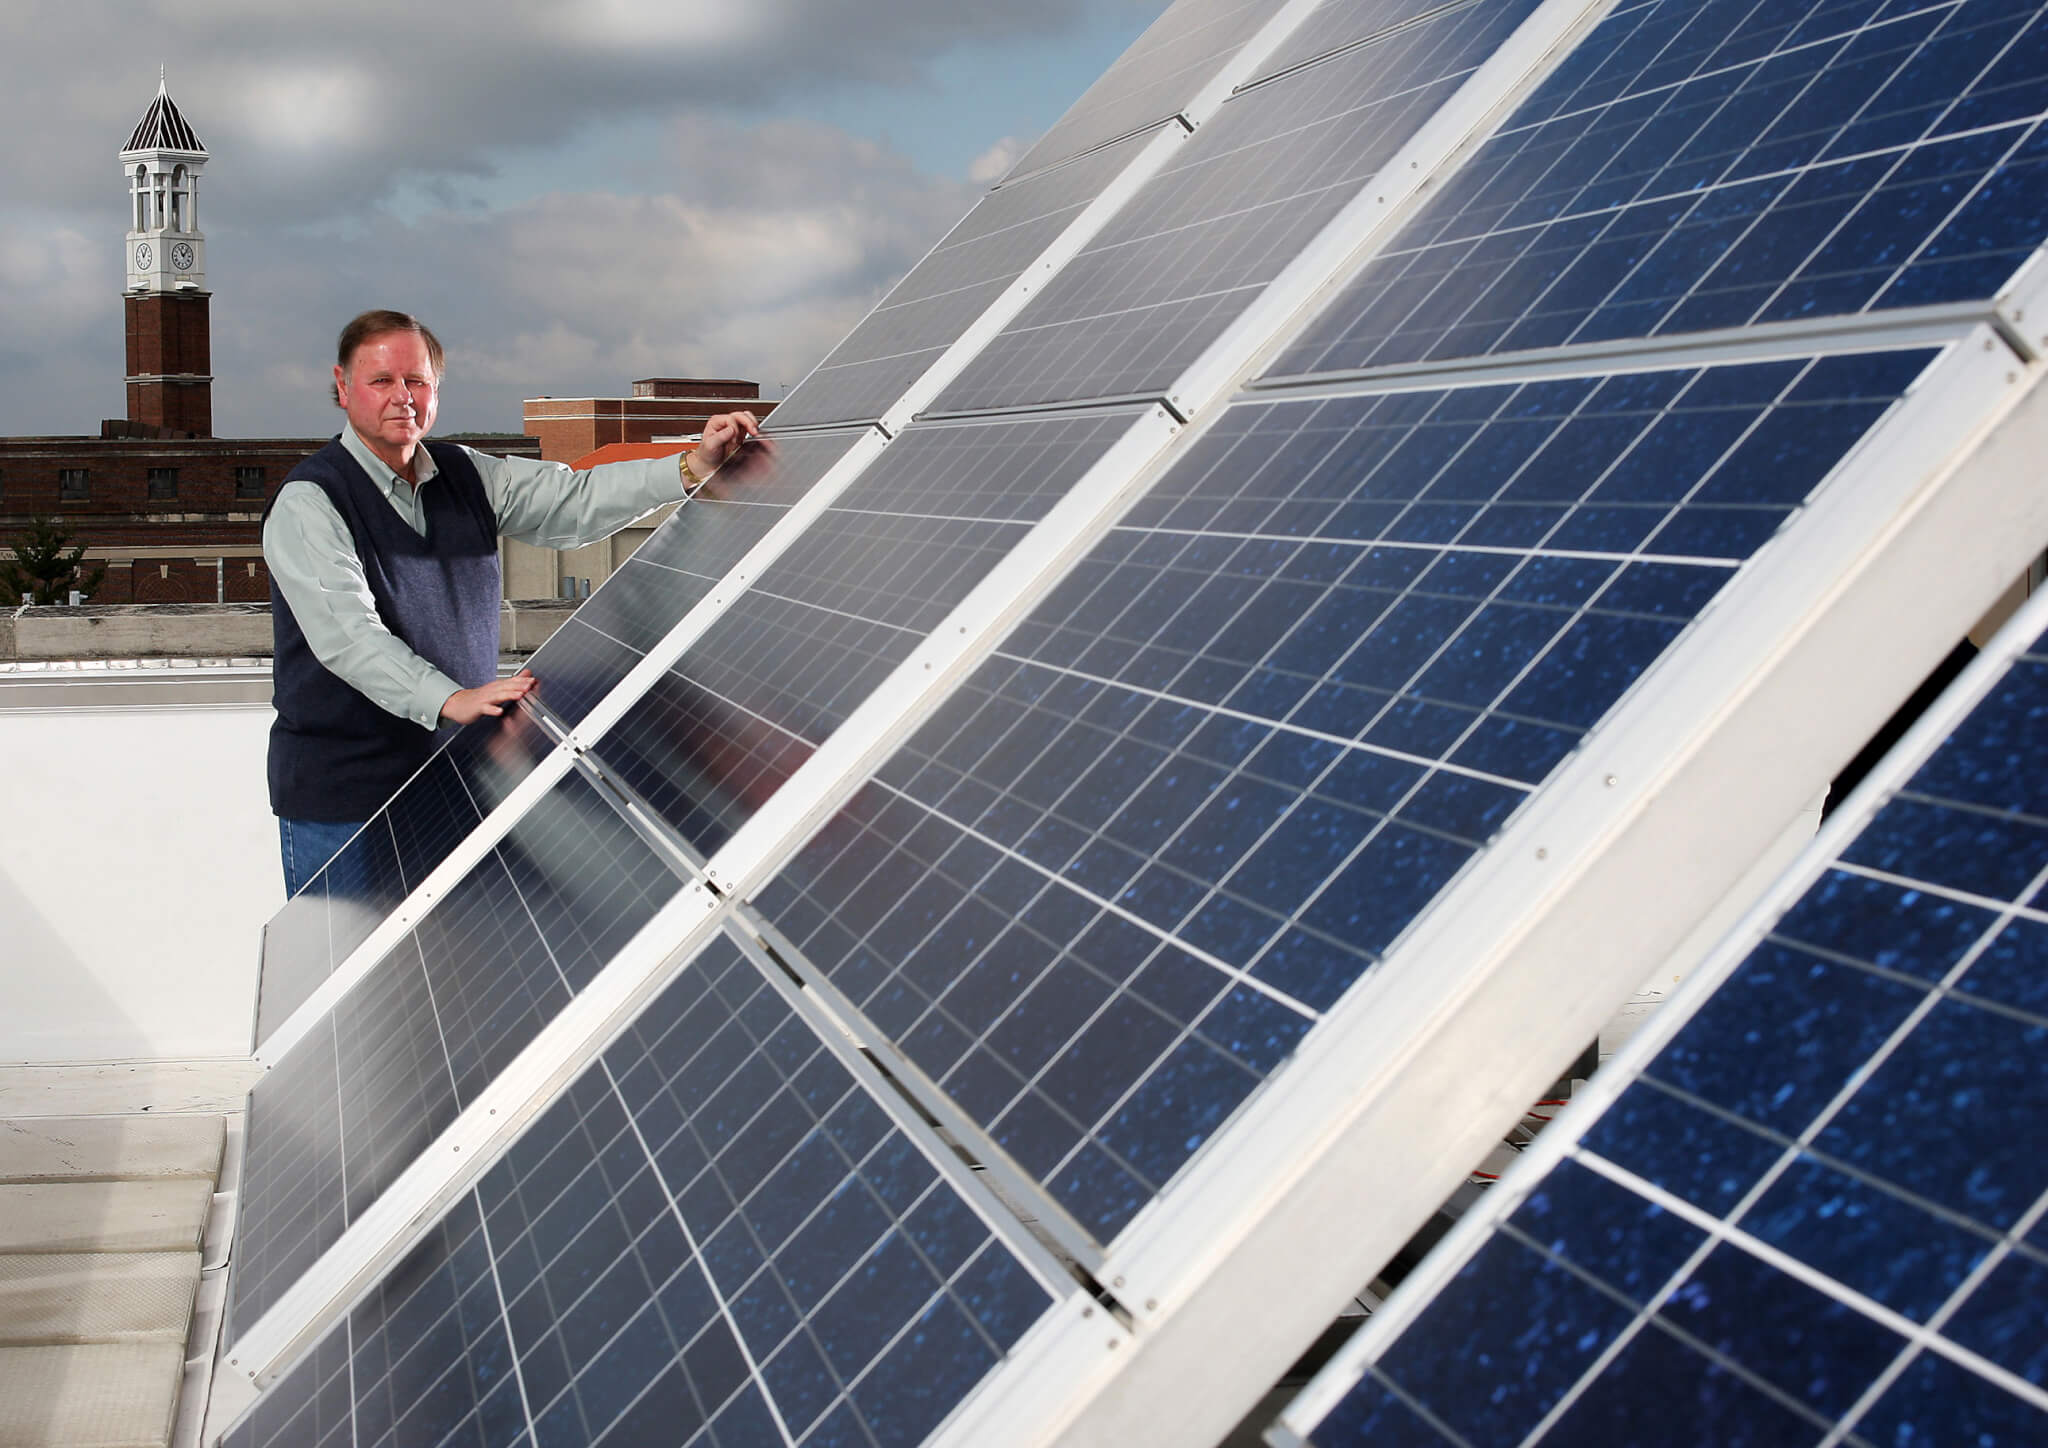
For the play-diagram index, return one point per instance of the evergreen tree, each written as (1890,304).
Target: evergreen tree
(46,567)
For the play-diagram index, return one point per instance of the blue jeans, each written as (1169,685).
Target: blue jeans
(308,845)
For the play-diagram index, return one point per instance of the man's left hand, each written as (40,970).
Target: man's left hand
(466,706)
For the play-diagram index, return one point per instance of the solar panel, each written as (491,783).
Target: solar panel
(928,310)
(715,1235)
(674,571)
(742,708)
(349,1107)
(340,907)
(1209,782)
(1695,167)
(1806,1206)
(1192,249)
(1162,72)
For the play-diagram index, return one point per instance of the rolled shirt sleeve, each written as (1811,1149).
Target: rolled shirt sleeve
(551,505)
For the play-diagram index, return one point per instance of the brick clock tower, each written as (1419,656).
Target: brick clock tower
(170,368)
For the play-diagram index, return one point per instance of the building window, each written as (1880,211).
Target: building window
(249,483)
(163,485)
(74,485)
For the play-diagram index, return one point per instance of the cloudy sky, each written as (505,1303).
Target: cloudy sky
(573,193)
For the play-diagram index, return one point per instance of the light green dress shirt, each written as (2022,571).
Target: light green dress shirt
(313,559)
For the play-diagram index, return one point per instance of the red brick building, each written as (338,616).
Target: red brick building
(173,520)
(660,407)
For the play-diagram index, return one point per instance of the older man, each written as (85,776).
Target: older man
(383,555)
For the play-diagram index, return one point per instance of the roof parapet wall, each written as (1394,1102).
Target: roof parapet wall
(220,631)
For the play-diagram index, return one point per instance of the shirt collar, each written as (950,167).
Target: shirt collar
(381,474)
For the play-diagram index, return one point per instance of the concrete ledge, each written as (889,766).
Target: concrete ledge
(205,630)
(57,1148)
(141,631)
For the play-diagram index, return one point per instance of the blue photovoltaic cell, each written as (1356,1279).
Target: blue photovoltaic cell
(715,1236)
(1192,249)
(350,1107)
(1863,1095)
(676,569)
(1693,166)
(1162,72)
(323,924)
(927,311)
(1250,737)
(847,602)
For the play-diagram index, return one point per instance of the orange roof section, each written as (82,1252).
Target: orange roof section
(619,452)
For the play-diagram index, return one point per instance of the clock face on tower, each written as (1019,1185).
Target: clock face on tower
(181,257)
(143,256)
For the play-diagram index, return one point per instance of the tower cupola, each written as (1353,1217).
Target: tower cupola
(162,161)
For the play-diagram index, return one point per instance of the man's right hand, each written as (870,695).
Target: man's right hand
(722,438)
(466,706)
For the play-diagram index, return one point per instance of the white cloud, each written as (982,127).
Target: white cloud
(696,26)
(307,109)
(995,163)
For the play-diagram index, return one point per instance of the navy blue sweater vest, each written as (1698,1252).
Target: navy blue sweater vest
(333,754)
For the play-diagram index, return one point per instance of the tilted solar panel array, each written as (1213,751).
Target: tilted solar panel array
(1808,1203)
(648,1260)
(1160,770)
(1207,785)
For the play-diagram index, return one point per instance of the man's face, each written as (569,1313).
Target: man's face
(390,393)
